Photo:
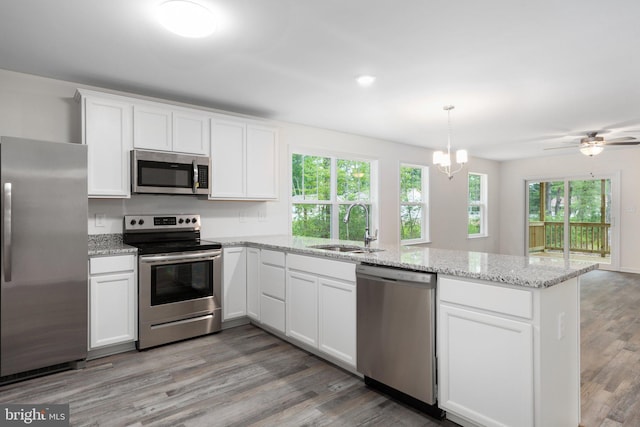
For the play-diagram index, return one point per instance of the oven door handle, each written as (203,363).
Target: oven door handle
(181,257)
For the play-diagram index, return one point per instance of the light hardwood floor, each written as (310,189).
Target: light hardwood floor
(244,376)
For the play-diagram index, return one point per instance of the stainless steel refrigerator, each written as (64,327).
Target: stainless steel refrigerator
(43,298)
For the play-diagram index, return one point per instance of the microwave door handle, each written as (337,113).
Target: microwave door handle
(6,224)
(195,176)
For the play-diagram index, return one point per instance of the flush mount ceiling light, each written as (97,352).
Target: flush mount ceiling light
(443,160)
(186,18)
(365,80)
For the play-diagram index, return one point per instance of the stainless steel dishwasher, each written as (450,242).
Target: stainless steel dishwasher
(396,334)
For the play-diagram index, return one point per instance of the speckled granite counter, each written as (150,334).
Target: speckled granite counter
(108,244)
(515,270)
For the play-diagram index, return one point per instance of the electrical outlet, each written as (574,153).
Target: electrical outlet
(262,215)
(242,215)
(100,218)
(561,326)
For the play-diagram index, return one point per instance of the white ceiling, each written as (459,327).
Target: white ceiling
(523,75)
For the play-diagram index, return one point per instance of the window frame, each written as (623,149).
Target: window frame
(333,201)
(426,217)
(481,204)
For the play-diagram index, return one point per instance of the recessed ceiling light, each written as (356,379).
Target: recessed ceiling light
(186,18)
(365,80)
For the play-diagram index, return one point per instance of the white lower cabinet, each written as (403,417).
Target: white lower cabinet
(486,367)
(321,305)
(112,300)
(253,283)
(508,356)
(337,319)
(272,289)
(234,283)
(302,307)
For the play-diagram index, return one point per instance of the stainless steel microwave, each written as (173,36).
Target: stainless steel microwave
(155,172)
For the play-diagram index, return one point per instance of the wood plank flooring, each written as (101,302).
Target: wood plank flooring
(246,377)
(610,346)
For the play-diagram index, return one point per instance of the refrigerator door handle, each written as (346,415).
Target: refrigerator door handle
(6,224)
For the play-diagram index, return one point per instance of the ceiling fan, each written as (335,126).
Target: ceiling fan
(593,144)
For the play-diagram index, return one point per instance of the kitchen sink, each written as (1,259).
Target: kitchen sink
(346,248)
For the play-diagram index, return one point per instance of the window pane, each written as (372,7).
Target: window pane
(534,201)
(311,220)
(310,177)
(410,222)
(354,229)
(554,201)
(474,220)
(474,187)
(353,180)
(586,201)
(410,184)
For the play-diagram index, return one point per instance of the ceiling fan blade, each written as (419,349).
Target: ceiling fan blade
(624,143)
(621,139)
(560,148)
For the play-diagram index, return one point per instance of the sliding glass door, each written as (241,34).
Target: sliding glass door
(571,219)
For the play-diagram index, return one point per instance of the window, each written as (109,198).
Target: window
(477,205)
(413,203)
(322,188)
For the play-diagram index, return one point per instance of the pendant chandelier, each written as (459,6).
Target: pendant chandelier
(442,159)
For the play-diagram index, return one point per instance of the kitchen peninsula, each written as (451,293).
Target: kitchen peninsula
(508,347)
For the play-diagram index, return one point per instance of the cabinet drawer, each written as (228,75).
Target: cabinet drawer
(272,281)
(272,312)
(272,257)
(111,264)
(323,267)
(514,302)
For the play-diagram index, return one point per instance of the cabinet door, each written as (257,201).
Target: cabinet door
(113,309)
(253,283)
(107,133)
(485,367)
(302,307)
(152,128)
(227,159)
(337,319)
(234,283)
(262,162)
(190,133)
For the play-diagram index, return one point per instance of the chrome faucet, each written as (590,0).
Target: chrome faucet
(368,238)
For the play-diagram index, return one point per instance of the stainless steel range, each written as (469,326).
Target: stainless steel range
(179,278)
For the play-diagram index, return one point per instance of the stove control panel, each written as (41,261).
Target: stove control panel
(161,222)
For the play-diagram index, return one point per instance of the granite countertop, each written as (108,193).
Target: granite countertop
(531,272)
(109,244)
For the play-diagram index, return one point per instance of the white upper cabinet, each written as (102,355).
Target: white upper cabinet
(190,132)
(244,159)
(151,128)
(107,132)
(262,161)
(159,127)
(227,159)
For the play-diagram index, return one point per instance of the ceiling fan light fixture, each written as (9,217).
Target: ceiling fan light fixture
(591,149)
(186,18)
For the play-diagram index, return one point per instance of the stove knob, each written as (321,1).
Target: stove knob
(194,220)
(180,221)
(133,222)
(141,221)
(187,220)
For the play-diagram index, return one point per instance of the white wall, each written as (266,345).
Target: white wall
(40,108)
(613,160)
